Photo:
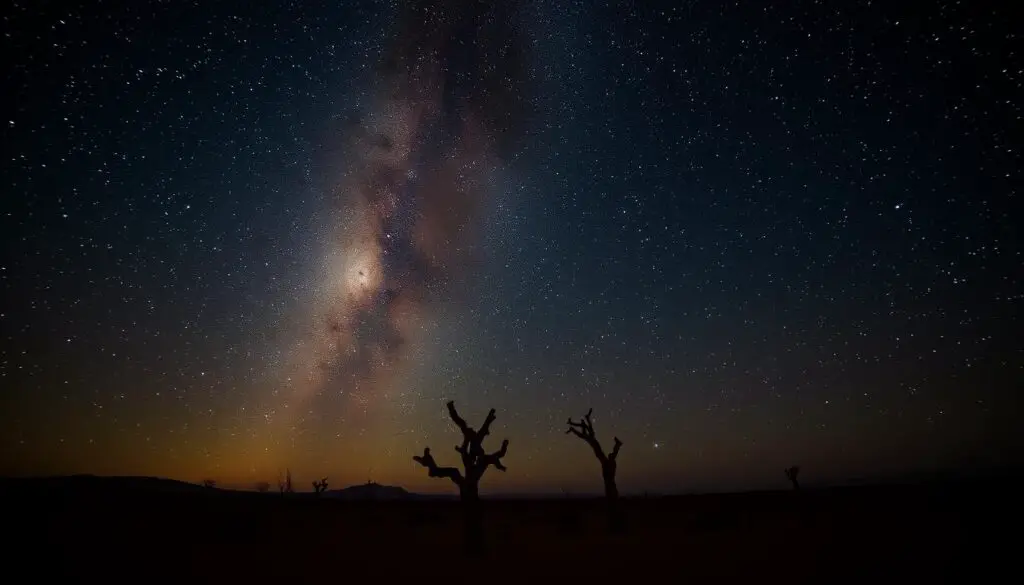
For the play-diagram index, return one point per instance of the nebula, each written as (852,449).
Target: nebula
(448,108)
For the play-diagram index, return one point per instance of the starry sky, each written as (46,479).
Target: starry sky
(240,238)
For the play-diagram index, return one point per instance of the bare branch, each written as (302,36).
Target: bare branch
(503,451)
(458,420)
(582,426)
(585,426)
(495,458)
(427,460)
(467,450)
(615,449)
(485,429)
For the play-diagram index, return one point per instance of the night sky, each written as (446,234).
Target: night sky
(244,237)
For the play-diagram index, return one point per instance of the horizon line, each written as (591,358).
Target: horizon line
(1002,472)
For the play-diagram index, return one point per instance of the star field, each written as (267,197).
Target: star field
(241,239)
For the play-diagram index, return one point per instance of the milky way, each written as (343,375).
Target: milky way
(446,111)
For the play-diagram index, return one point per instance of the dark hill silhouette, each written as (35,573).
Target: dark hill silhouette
(111,486)
(371,491)
(102,484)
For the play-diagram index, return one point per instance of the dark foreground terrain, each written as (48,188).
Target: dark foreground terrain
(919,534)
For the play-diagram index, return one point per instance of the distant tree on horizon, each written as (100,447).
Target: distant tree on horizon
(263,486)
(209,483)
(584,429)
(791,474)
(320,486)
(475,462)
(285,486)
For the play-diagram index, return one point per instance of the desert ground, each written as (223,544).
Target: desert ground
(910,533)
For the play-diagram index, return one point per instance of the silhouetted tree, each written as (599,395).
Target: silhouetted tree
(263,486)
(285,485)
(320,486)
(584,429)
(792,473)
(475,462)
(209,483)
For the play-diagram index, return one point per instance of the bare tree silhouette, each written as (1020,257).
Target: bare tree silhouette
(209,483)
(584,429)
(792,473)
(475,462)
(263,486)
(285,485)
(320,486)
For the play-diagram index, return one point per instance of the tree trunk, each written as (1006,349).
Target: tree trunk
(611,491)
(469,491)
(616,522)
(473,518)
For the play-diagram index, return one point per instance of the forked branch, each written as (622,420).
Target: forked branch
(584,429)
(427,460)
(615,449)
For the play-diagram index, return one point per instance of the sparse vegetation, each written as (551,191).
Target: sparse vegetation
(320,486)
(209,483)
(584,429)
(285,485)
(792,473)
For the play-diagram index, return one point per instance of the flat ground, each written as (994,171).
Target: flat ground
(915,533)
